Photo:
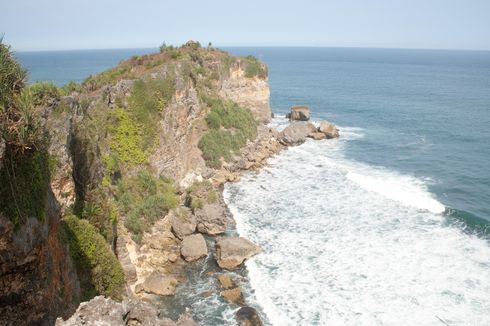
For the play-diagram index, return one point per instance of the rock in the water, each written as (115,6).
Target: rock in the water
(317,135)
(211,219)
(186,320)
(158,284)
(329,129)
(183,222)
(233,295)
(232,251)
(105,311)
(248,316)
(296,133)
(299,113)
(226,281)
(194,247)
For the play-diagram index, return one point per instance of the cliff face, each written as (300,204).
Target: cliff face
(37,278)
(252,93)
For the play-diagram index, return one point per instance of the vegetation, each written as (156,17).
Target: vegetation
(99,269)
(200,193)
(44,92)
(230,128)
(253,68)
(144,199)
(108,77)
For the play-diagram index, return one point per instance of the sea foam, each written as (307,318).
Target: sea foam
(350,244)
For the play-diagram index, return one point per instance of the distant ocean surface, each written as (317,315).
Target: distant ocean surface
(387,225)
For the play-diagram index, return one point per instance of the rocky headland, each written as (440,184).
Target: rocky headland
(135,161)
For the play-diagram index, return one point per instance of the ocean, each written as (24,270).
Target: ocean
(387,225)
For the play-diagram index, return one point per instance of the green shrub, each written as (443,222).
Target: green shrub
(253,68)
(43,92)
(108,77)
(98,268)
(200,193)
(126,139)
(144,199)
(72,87)
(12,77)
(24,185)
(231,126)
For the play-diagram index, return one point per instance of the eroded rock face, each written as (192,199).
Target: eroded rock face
(158,284)
(329,129)
(296,133)
(317,135)
(102,311)
(183,222)
(251,93)
(299,113)
(38,281)
(231,252)
(194,247)
(211,219)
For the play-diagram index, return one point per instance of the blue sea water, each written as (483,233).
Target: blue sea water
(387,225)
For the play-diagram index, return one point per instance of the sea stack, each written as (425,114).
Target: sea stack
(299,113)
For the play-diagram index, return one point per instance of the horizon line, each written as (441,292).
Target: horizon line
(260,46)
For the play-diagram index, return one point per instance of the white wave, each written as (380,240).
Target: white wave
(349,244)
(399,189)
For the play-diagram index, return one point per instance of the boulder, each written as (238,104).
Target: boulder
(317,135)
(105,311)
(226,281)
(296,133)
(299,113)
(329,129)
(248,316)
(158,284)
(231,252)
(193,247)
(183,222)
(233,295)
(211,219)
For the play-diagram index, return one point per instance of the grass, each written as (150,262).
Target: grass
(99,269)
(144,199)
(230,127)
(253,68)
(200,193)
(44,92)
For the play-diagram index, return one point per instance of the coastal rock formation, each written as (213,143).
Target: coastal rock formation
(231,252)
(296,133)
(158,284)
(317,135)
(211,219)
(183,222)
(299,113)
(38,281)
(329,129)
(248,316)
(194,247)
(104,311)
(252,93)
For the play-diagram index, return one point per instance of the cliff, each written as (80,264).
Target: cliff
(129,153)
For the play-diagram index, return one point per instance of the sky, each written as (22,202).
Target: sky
(30,25)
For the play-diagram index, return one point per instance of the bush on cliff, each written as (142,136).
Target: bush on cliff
(253,68)
(230,128)
(44,92)
(98,268)
(144,199)
(24,166)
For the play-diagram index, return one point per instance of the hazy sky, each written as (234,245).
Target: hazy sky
(89,24)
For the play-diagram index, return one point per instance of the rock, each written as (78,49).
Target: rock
(183,222)
(317,135)
(232,251)
(299,113)
(296,133)
(233,295)
(186,320)
(158,284)
(172,258)
(248,316)
(105,311)
(194,247)
(329,129)
(226,281)
(211,219)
